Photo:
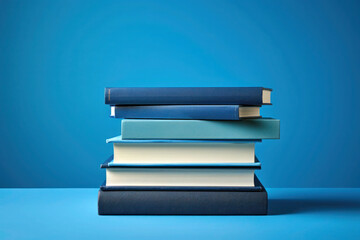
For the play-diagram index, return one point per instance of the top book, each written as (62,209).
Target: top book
(251,96)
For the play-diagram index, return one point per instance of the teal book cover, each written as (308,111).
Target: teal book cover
(265,128)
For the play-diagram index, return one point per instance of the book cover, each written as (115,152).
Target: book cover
(120,139)
(202,112)
(253,96)
(264,128)
(109,163)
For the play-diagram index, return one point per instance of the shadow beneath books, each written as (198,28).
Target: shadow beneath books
(289,206)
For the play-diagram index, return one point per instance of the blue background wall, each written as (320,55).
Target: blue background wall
(56,58)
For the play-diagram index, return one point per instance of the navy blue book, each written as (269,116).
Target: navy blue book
(184,202)
(253,96)
(201,112)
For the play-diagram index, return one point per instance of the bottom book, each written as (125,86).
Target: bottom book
(182,202)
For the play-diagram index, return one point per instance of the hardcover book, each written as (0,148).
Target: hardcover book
(182,151)
(254,96)
(205,112)
(264,128)
(183,202)
(206,175)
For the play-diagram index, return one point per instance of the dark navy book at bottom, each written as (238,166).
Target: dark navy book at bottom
(187,202)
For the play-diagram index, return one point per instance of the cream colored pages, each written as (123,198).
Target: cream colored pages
(179,177)
(184,153)
(266,96)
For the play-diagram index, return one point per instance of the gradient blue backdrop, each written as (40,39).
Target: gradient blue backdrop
(56,58)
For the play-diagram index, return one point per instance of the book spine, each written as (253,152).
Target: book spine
(211,112)
(181,188)
(199,129)
(182,203)
(184,95)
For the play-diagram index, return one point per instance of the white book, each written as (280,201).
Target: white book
(210,177)
(182,152)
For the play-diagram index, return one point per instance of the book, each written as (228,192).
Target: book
(257,187)
(264,128)
(237,175)
(201,112)
(184,202)
(182,151)
(186,176)
(103,187)
(253,96)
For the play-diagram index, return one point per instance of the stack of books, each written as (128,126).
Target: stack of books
(187,151)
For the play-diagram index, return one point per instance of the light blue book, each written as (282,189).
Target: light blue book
(264,128)
(110,164)
(120,139)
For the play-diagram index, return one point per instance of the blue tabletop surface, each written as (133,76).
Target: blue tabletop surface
(72,213)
